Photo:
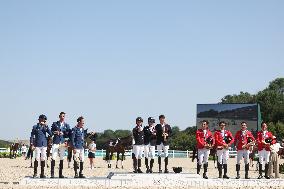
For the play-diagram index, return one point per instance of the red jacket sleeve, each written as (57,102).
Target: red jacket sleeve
(236,139)
(232,141)
(259,139)
(271,135)
(198,140)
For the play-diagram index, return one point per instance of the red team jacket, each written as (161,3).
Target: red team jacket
(200,139)
(240,141)
(219,141)
(260,138)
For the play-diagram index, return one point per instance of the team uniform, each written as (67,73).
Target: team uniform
(39,140)
(203,137)
(60,144)
(264,150)
(242,138)
(163,144)
(223,137)
(138,146)
(149,146)
(78,142)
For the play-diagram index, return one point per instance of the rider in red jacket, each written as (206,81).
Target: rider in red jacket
(243,140)
(205,141)
(264,140)
(223,139)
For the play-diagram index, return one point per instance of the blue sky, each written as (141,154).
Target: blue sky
(112,61)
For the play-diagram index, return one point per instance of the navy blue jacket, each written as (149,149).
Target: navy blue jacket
(56,126)
(38,135)
(138,136)
(160,138)
(78,137)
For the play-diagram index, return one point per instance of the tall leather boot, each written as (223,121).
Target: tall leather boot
(198,168)
(238,167)
(135,165)
(225,176)
(52,165)
(147,165)
(266,171)
(42,165)
(205,166)
(60,169)
(81,170)
(139,166)
(76,169)
(260,172)
(246,171)
(151,165)
(166,165)
(160,162)
(35,168)
(219,166)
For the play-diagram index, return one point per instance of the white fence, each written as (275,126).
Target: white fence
(172,153)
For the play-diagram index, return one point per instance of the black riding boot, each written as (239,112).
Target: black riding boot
(60,169)
(166,165)
(151,165)
(81,170)
(147,165)
(139,166)
(205,166)
(246,171)
(260,172)
(198,168)
(76,169)
(225,176)
(238,167)
(42,165)
(52,164)
(135,165)
(35,168)
(160,162)
(266,171)
(219,166)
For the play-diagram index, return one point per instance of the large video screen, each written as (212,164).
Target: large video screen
(232,114)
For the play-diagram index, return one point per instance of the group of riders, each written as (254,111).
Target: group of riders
(243,141)
(146,140)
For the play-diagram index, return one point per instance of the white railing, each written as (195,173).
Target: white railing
(172,153)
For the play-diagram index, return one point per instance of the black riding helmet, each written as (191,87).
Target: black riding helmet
(139,119)
(151,120)
(268,140)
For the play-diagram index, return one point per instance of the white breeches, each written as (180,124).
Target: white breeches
(138,151)
(149,151)
(243,154)
(203,155)
(162,148)
(79,155)
(58,149)
(40,153)
(223,156)
(263,156)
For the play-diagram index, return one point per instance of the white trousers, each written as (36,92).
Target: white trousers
(138,151)
(163,148)
(243,154)
(263,156)
(149,151)
(40,153)
(79,155)
(223,156)
(58,149)
(203,155)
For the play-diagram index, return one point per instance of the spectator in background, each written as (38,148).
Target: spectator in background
(24,150)
(274,160)
(92,151)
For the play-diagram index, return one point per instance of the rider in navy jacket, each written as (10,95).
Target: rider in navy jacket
(59,139)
